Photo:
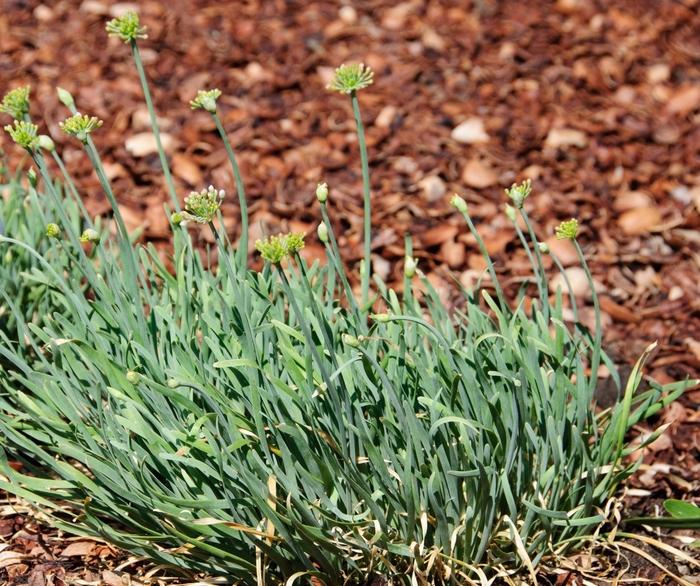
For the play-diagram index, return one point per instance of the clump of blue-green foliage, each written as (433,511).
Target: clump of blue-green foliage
(270,425)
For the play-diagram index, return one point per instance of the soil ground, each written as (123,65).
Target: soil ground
(597,102)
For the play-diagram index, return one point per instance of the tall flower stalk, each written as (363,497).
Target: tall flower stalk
(129,29)
(349,79)
(206,100)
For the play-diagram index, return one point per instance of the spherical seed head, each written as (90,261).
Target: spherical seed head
(90,235)
(202,206)
(567,230)
(518,192)
(351,78)
(80,125)
(25,134)
(459,204)
(127,27)
(206,100)
(322,232)
(53,230)
(410,265)
(322,192)
(16,102)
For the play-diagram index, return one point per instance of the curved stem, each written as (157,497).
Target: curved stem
(154,124)
(367,199)
(240,188)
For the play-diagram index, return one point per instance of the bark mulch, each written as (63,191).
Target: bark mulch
(597,102)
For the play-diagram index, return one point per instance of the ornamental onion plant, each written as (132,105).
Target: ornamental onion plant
(266,427)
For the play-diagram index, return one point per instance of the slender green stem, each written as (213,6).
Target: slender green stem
(367,199)
(154,124)
(598,335)
(572,297)
(531,258)
(487,257)
(240,188)
(542,276)
(338,264)
(71,187)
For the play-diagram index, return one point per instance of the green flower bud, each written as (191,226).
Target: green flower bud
(295,242)
(90,235)
(322,232)
(16,102)
(349,340)
(173,383)
(206,100)
(275,248)
(126,27)
(410,265)
(380,317)
(202,206)
(510,212)
(25,134)
(567,230)
(322,192)
(33,179)
(133,377)
(543,247)
(459,204)
(46,142)
(177,218)
(351,78)
(65,97)
(518,192)
(80,126)
(53,230)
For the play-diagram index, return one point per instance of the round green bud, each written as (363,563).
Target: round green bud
(90,235)
(410,265)
(132,376)
(322,232)
(459,203)
(543,247)
(46,143)
(322,192)
(173,383)
(510,212)
(351,341)
(177,218)
(53,230)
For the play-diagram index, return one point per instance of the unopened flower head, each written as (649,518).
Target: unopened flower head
(206,100)
(46,142)
(543,247)
(276,248)
(126,27)
(53,230)
(518,192)
(65,97)
(567,230)
(410,265)
(510,212)
(350,340)
(177,218)
(80,125)
(33,179)
(202,206)
(25,134)
(459,204)
(351,78)
(322,232)
(322,192)
(132,376)
(90,235)
(16,102)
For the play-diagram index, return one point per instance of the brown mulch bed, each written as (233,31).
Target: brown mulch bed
(597,102)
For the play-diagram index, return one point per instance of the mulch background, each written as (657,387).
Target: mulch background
(597,102)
